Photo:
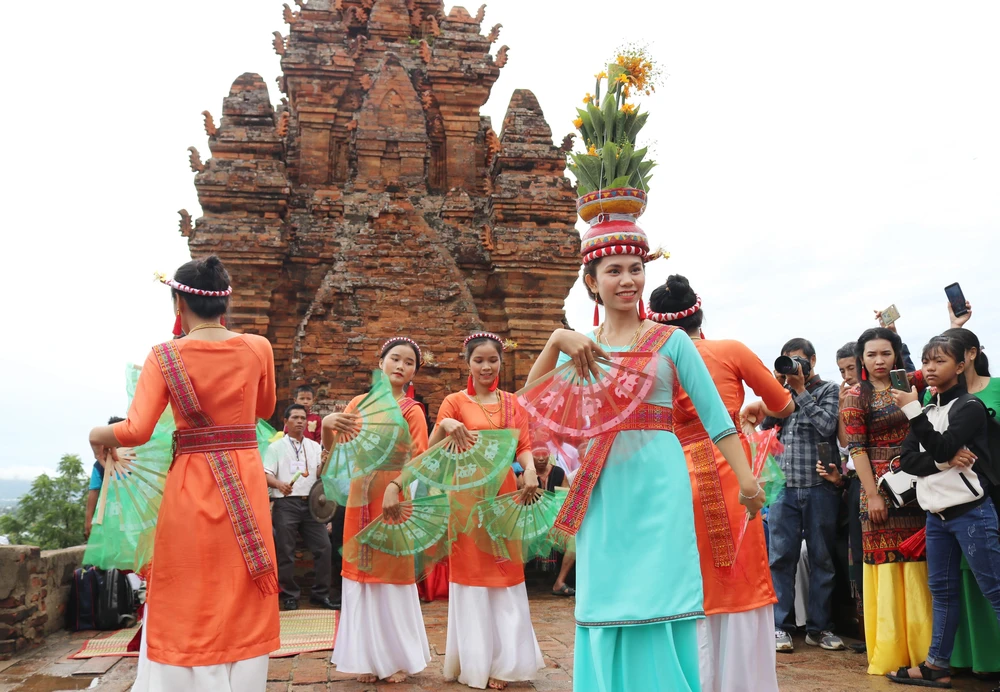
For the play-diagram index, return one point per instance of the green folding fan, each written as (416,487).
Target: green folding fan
(125,518)
(382,442)
(446,467)
(520,530)
(423,524)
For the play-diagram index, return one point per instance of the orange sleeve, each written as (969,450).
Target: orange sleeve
(352,405)
(266,396)
(449,409)
(521,421)
(760,379)
(151,397)
(418,429)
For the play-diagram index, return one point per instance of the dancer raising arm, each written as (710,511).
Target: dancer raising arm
(207,634)
(381,633)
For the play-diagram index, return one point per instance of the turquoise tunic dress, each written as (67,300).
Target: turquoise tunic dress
(639,588)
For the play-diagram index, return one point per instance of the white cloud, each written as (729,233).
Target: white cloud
(816,161)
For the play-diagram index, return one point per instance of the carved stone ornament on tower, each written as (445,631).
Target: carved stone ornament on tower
(376,200)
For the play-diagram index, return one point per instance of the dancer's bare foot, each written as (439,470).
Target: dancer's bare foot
(495,684)
(368,678)
(397,677)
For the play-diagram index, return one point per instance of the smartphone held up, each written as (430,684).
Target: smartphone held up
(956,298)
(898,379)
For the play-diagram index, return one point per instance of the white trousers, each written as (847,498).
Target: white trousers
(249,675)
(490,635)
(381,630)
(736,651)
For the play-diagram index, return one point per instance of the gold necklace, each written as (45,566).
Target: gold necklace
(206,325)
(632,342)
(489,416)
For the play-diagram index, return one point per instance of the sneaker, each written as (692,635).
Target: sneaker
(825,640)
(783,642)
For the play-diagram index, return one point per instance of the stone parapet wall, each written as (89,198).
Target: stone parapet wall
(34,593)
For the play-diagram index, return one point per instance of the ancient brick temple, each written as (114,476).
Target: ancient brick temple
(375,200)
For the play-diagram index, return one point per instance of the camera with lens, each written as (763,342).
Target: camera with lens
(789,365)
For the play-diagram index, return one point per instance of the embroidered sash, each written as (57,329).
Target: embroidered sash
(693,437)
(646,417)
(241,514)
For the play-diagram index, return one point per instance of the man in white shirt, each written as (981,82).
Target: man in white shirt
(292,468)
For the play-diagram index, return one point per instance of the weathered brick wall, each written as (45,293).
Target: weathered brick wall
(34,593)
(375,200)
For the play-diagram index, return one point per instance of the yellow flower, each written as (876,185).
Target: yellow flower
(601,75)
(578,123)
(628,108)
(588,98)
(623,78)
(592,150)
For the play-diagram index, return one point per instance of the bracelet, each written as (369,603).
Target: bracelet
(755,495)
(397,484)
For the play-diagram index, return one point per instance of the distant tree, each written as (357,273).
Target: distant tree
(50,515)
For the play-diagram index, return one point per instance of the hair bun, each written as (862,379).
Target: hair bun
(212,274)
(674,296)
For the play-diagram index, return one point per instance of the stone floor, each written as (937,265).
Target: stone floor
(48,669)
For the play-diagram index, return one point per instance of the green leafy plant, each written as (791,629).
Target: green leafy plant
(50,515)
(610,127)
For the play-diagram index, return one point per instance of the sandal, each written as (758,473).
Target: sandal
(928,677)
(564,591)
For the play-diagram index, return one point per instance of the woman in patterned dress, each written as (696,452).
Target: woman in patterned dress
(897,600)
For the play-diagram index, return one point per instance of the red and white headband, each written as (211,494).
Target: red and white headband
(400,340)
(672,316)
(505,344)
(162,278)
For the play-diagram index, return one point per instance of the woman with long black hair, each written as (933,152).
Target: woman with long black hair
(897,603)
(977,641)
(947,448)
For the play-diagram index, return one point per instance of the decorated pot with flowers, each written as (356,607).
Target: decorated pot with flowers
(612,174)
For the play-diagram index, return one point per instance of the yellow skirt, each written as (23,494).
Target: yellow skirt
(898,615)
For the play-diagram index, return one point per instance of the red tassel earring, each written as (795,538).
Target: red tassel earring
(496,383)
(178,330)
(642,310)
(597,314)
(864,373)
(410,391)
(223,321)
(471,388)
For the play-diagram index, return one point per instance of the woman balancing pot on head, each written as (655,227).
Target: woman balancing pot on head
(739,596)
(630,505)
(381,633)
(490,638)
(212,607)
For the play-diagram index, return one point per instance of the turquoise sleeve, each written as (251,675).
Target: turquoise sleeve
(697,382)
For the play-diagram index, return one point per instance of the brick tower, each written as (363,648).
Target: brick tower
(375,200)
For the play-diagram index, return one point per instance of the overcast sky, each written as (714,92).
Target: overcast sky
(816,161)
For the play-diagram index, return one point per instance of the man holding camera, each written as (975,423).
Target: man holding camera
(809,505)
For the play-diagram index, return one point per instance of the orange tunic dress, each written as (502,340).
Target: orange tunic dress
(469,565)
(385,569)
(747,586)
(209,610)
